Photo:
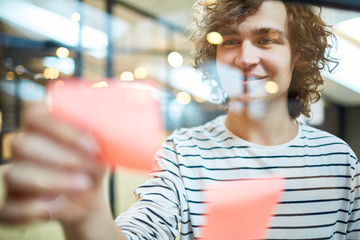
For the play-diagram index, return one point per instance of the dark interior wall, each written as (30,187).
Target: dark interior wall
(352,128)
(344,123)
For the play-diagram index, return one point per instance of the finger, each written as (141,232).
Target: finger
(19,211)
(27,178)
(45,151)
(37,118)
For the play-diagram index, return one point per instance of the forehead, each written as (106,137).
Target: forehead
(269,15)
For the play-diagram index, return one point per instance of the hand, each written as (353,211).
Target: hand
(55,174)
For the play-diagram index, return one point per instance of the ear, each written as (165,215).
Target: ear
(296,59)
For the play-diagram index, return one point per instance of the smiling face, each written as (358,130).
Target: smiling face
(257,51)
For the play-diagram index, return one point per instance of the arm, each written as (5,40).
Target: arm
(353,226)
(161,201)
(56,174)
(98,226)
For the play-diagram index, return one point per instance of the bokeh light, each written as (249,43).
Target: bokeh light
(183,98)
(198,99)
(39,76)
(274,34)
(214,38)
(51,73)
(62,52)
(127,76)
(210,2)
(175,59)
(100,84)
(75,17)
(59,83)
(140,72)
(10,76)
(20,69)
(271,87)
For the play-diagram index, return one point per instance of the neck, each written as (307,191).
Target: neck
(261,124)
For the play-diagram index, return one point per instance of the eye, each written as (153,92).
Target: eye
(266,41)
(230,42)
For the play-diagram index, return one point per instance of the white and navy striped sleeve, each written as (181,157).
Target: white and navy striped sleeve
(353,225)
(157,211)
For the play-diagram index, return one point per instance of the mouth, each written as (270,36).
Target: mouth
(253,78)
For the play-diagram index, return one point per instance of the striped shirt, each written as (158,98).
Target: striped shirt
(321,199)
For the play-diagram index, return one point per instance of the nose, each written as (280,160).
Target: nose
(247,57)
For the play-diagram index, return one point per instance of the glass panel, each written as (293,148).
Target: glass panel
(146,40)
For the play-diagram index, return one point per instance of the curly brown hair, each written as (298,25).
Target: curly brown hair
(308,33)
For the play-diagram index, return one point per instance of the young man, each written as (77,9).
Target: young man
(264,41)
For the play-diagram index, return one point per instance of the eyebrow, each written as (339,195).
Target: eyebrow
(258,31)
(269,31)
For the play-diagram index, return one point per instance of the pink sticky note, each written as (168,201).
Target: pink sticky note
(240,210)
(124,118)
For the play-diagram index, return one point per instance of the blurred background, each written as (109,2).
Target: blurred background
(144,40)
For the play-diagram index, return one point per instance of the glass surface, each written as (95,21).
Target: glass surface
(41,40)
(140,38)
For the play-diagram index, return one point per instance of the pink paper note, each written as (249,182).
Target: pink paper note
(124,118)
(241,209)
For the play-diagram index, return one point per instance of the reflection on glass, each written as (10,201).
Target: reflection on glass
(62,52)
(210,2)
(271,87)
(100,84)
(139,41)
(39,76)
(10,76)
(198,99)
(140,72)
(214,38)
(127,76)
(20,69)
(59,83)
(75,17)
(51,73)
(175,59)
(183,98)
